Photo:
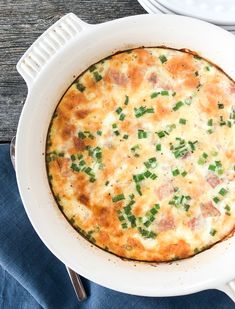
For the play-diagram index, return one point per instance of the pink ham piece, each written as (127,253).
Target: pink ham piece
(213,180)
(232,89)
(117,78)
(164,191)
(194,223)
(165,224)
(209,210)
(153,78)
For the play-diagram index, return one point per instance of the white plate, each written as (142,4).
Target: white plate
(221,12)
(153,7)
(149,7)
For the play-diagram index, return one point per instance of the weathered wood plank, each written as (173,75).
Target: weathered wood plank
(21,22)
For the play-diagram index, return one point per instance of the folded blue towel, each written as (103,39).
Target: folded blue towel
(32,277)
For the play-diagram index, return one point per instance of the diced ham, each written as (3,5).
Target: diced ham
(213,180)
(79,143)
(164,190)
(194,223)
(117,77)
(165,224)
(63,165)
(209,210)
(232,89)
(153,78)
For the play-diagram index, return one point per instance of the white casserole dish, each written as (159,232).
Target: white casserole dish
(49,67)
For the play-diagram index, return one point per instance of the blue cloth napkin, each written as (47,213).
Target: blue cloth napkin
(32,277)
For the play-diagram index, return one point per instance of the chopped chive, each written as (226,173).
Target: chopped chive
(220,171)
(153,176)
(161,134)
(126,100)
(210,131)
(147,174)
(205,155)
(107,182)
(228,208)
(147,223)
(216,199)
(139,112)
(153,211)
(158,147)
(142,134)
(121,218)
(97,76)
(229,123)
(116,132)
(220,106)
(213,232)
(182,121)
(132,220)
(154,95)
(127,209)
(207,68)
(99,132)
(178,105)
(124,225)
(138,177)
(151,163)
(119,110)
(80,87)
(138,189)
(212,167)
(82,163)
(218,163)
(184,173)
(162,58)
(164,92)
(118,198)
(201,161)
(186,207)
(74,167)
(114,125)
(81,135)
(92,68)
(210,122)
(125,136)
(223,192)
(222,122)
(175,172)
(73,157)
(122,116)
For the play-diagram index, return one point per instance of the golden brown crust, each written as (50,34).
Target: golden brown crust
(141,157)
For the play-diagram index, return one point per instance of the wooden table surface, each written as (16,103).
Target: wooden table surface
(21,22)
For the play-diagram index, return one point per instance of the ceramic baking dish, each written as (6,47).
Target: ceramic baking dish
(49,66)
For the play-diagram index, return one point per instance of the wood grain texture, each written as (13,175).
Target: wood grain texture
(21,22)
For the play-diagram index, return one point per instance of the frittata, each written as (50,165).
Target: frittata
(141,154)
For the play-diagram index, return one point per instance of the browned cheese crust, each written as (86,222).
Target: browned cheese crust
(141,154)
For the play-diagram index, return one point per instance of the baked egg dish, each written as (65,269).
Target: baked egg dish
(140,154)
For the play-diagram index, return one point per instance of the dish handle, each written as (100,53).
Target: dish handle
(47,45)
(228,289)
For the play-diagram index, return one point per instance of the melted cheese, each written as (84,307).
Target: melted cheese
(141,154)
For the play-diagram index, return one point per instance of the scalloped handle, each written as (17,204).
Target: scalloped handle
(47,45)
